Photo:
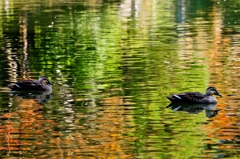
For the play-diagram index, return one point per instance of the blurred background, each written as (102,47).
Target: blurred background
(113,63)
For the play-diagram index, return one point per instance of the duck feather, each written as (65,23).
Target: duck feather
(32,85)
(196,97)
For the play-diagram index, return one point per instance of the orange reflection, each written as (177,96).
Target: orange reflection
(24,127)
(26,131)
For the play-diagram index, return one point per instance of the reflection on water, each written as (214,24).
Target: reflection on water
(113,63)
(195,108)
(41,97)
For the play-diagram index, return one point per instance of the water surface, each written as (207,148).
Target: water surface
(113,64)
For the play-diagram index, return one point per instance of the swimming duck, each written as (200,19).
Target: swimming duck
(42,84)
(196,97)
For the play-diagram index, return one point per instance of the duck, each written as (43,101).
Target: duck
(42,84)
(196,97)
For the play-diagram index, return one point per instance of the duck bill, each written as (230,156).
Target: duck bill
(51,83)
(219,95)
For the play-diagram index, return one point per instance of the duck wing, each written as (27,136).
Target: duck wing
(187,97)
(26,85)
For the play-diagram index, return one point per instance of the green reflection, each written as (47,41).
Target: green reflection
(102,51)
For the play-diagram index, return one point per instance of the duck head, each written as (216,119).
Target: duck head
(212,91)
(44,81)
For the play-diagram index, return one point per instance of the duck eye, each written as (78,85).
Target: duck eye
(47,82)
(44,81)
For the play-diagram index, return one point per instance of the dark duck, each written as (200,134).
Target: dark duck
(196,97)
(42,84)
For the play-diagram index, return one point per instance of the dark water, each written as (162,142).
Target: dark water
(113,64)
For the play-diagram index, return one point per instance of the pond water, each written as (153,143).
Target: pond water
(113,64)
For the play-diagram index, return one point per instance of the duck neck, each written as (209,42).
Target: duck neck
(208,93)
(40,81)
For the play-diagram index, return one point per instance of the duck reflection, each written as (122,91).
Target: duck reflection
(210,109)
(41,96)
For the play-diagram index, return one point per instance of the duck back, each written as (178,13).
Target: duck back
(29,85)
(192,97)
